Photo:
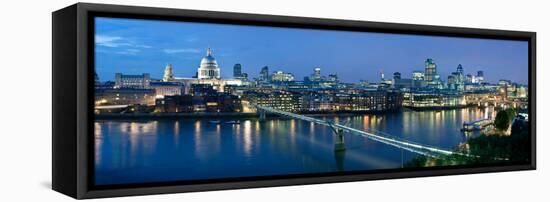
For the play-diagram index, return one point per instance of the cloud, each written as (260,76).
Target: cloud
(191,39)
(129,51)
(117,41)
(143,46)
(109,41)
(184,50)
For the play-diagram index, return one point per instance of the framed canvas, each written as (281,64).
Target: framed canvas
(156,100)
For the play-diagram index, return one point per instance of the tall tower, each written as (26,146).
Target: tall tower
(264,74)
(480,77)
(237,71)
(317,73)
(459,78)
(396,75)
(168,73)
(460,74)
(430,71)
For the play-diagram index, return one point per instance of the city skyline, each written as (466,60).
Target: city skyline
(145,46)
(177,108)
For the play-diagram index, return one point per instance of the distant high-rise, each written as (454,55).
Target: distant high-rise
(430,74)
(459,69)
(470,78)
(418,79)
(316,76)
(480,77)
(480,73)
(168,73)
(399,82)
(237,71)
(457,80)
(451,79)
(332,78)
(317,73)
(280,76)
(383,79)
(264,74)
(418,76)
(396,75)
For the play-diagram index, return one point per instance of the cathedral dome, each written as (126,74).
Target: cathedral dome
(208,68)
(208,61)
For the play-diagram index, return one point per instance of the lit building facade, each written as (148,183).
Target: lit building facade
(314,101)
(280,76)
(175,104)
(163,89)
(124,96)
(221,102)
(432,99)
(430,73)
(367,101)
(132,81)
(418,79)
(324,101)
(281,100)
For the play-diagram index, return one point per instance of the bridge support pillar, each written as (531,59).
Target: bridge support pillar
(262,115)
(339,145)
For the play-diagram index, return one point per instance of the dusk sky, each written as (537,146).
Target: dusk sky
(146,46)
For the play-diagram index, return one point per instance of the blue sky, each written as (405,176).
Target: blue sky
(145,46)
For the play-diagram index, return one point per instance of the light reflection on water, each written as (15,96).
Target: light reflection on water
(187,149)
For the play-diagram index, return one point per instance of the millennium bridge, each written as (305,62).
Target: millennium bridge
(378,136)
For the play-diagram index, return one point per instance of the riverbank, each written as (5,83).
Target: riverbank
(138,116)
(168,115)
(111,116)
(439,108)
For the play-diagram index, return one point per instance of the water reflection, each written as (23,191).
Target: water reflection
(164,150)
(98,142)
(247,138)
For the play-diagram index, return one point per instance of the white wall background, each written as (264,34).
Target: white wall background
(25,82)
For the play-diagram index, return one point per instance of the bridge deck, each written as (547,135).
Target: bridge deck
(378,136)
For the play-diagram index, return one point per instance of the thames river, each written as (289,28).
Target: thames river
(192,149)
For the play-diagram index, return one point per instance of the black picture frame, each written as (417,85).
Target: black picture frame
(73,92)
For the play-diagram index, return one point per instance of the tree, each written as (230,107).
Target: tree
(502,121)
(511,113)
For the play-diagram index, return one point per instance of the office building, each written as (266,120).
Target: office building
(132,81)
